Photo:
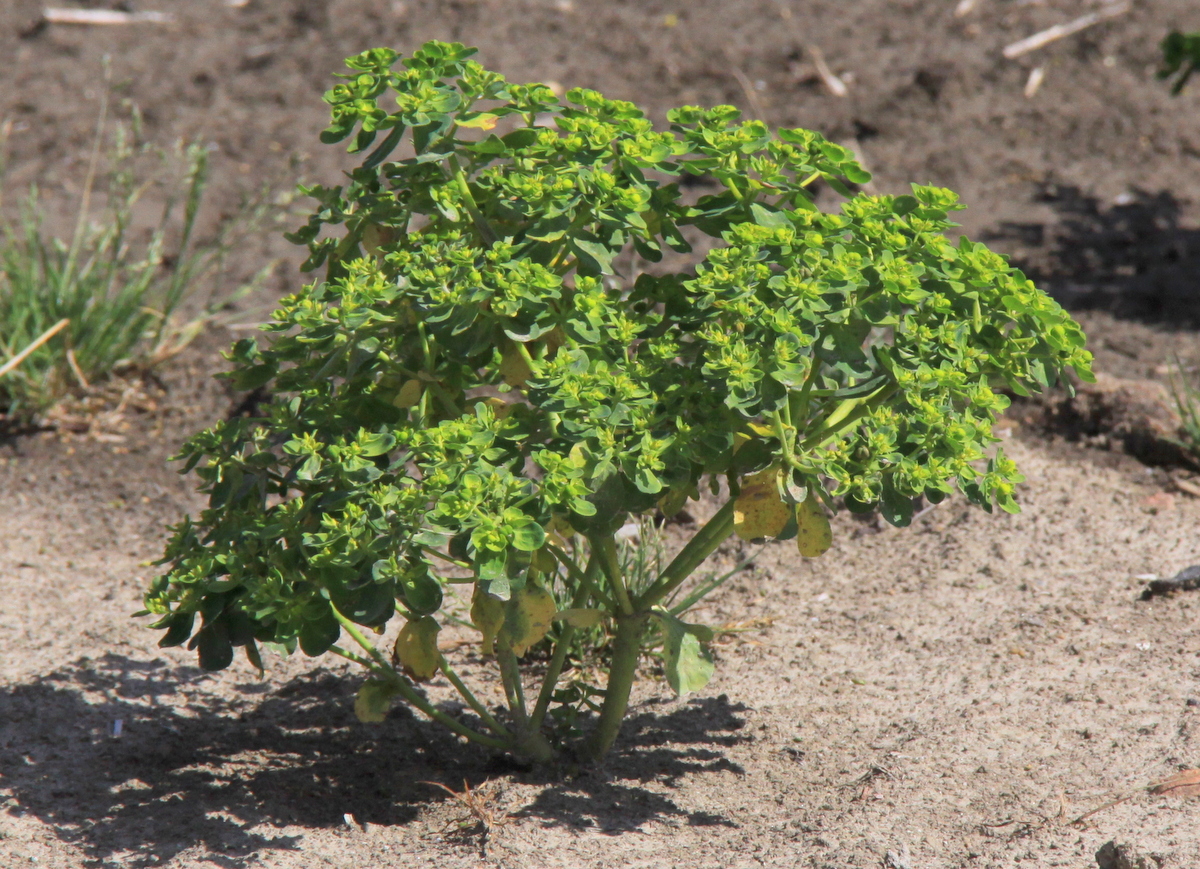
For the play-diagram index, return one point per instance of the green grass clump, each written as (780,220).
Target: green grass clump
(119,292)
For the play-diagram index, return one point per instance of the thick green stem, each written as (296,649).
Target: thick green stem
(528,741)
(846,416)
(481,225)
(510,676)
(605,548)
(627,648)
(704,544)
(586,582)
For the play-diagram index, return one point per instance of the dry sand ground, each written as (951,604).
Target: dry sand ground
(954,693)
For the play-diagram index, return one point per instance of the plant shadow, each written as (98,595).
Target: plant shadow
(194,770)
(653,748)
(1132,258)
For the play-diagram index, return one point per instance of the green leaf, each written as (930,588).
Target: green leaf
(373,700)
(317,635)
(179,628)
(370,605)
(421,592)
(215,649)
(594,256)
(686,661)
(528,536)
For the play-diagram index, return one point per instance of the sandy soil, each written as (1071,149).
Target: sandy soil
(955,693)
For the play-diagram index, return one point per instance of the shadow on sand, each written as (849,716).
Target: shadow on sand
(1131,258)
(209,772)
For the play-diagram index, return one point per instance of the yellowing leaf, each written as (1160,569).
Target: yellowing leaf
(375,236)
(484,121)
(409,394)
(416,648)
(687,662)
(513,367)
(580,618)
(499,406)
(488,615)
(527,617)
(758,510)
(373,700)
(813,536)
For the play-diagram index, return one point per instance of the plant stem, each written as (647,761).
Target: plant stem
(582,593)
(627,648)
(481,225)
(514,691)
(847,415)
(414,698)
(605,548)
(528,740)
(585,578)
(358,637)
(472,700)
(707,539)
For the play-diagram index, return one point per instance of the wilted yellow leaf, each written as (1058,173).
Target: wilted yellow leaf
(373,700)
(580,618)
(483,121)
(416,648)
(527,618)
(488,615)
(499,406)
(409,394)
(813,536)
(758,510)
(375,237)
(513,367)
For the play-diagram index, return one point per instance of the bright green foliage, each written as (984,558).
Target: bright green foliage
(494,375)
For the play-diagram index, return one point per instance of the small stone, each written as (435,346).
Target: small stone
(1193,702)
(1123,856)
(1159,502)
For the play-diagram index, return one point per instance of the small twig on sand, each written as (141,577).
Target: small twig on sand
(1058,31)
(1036,76)
(1187,579)
(836,86)
(1108,805)
(480,805)
(104,16)
(37,342)
(749,90)
(1186,486)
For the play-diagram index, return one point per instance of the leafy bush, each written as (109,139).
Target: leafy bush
(486,373)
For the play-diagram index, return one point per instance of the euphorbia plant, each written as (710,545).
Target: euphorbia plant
(494,376)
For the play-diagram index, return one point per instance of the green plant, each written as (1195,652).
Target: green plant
(1181,58)
(480,378)
(1187,403)
(119,296)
